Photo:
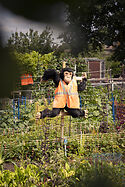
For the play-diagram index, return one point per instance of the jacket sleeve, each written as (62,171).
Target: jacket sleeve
(51,74)
(82,85)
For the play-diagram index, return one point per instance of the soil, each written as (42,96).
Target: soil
(10,166)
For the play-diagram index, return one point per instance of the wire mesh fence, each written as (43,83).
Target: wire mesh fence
(103,125)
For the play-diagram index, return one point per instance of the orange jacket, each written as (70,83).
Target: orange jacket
(66,94)
(26,79)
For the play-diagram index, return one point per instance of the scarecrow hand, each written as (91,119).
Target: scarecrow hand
(84,75)
(38,115)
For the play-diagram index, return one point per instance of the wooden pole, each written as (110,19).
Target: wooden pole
(62,128)
(62,117)
(64,64)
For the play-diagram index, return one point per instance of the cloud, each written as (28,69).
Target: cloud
(10,23)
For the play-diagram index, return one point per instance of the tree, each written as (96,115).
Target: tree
(32,41)
(34,63)
(97,23)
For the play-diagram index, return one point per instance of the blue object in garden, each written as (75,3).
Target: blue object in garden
(65,142)
(25,103)
(19,102)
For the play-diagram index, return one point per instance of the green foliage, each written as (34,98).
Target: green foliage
(119,94)
(116,68)
(28,62)
(21,177)
(34,62)
(97,102)
(79,172)
(97,23)
(79,62)
(32,41)
(97,174)
(49,61)
(32,141)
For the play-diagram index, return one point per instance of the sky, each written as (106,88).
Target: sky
(10,23)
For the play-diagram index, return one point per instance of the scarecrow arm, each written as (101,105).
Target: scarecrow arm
(82,85)
(53,75)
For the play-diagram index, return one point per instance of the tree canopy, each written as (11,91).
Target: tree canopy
(32,41)
(96,22)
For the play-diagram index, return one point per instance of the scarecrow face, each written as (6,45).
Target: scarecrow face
(67,76)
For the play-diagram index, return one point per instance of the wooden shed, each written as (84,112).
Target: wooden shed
(96,68)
